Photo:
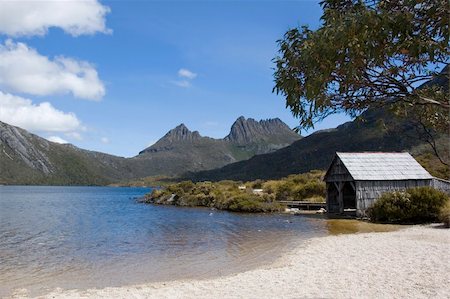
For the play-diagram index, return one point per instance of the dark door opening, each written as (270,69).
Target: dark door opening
(349,193)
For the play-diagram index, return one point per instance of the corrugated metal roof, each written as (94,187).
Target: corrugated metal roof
(383,166)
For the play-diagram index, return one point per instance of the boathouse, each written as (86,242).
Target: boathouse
(354,181)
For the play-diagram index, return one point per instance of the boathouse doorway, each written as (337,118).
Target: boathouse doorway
(341,197)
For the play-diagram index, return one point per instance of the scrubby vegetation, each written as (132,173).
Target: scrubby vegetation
(425,155)
(224,195)
(416,205)
(242,197)
(444,215)
(307,186)
(154,181)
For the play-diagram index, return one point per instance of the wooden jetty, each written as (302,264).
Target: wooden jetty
(304,205)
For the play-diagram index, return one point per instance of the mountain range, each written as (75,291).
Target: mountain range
(26,158)
(375,130)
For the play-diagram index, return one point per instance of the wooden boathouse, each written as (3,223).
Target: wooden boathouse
(354,181)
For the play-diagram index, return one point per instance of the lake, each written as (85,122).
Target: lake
(82,237)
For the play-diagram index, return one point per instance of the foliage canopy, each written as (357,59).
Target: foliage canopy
(368,54)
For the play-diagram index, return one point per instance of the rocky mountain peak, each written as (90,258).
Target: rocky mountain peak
(249,130)
(249,135)
(181,133)
(178,134)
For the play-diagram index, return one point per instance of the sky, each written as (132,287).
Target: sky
(115,76)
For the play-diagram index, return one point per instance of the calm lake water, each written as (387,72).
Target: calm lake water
(81,237)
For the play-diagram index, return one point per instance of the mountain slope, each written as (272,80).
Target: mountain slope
(181,150)
(29,159)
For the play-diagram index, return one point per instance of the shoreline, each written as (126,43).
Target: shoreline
(410,262)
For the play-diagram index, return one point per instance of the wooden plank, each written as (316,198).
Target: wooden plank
(305,205)
(341,197)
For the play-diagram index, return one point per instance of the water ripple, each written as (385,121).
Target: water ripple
(79,237)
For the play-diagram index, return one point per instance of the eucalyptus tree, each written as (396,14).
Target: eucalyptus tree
(369,54)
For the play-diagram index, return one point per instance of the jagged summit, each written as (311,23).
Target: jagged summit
(180,133)
(250,135)
(249,130)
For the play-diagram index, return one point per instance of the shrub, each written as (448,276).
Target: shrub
(390,207)
(257,184)
(444,214)
(285,191)
(311,189)
(270,187)
(186,186)
(253,203)
(417,205)
(195,200)
(426,203)
(156,193)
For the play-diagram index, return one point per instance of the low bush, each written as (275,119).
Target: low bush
(226,195)
(297,186)
(253,203)
(444,215)
(426,204)
(416,205)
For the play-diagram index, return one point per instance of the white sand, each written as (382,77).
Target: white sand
(410,263)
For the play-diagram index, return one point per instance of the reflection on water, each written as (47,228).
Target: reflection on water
(81,237)
(351,226)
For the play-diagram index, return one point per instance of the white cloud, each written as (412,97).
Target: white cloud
(104,140)
(26,18)
(185,73)
(57,139)
(182,83)
(23,113)
(23,69)
(186,77)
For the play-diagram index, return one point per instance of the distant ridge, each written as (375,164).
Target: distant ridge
(181,150)
(249,130)
(26,158)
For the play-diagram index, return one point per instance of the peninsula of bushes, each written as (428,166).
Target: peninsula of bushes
(416,205)
(255,196)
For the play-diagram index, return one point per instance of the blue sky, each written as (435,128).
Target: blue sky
(120,82)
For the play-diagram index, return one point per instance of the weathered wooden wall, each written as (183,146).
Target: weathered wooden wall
(337,172)
(332,198)
(369,191)
(442,185)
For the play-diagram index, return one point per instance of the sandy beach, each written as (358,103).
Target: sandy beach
(410,263)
